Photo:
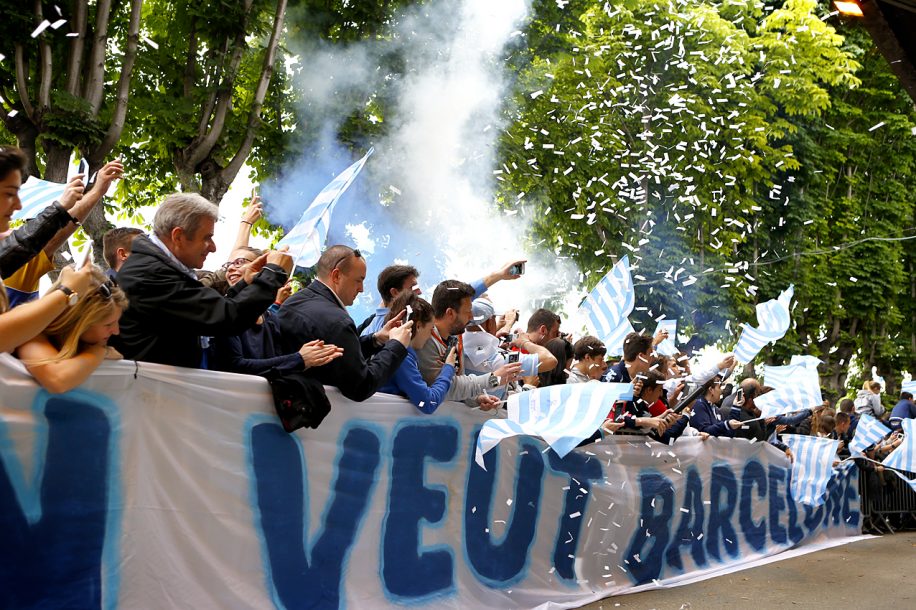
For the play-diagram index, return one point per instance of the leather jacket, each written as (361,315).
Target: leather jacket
(24,244)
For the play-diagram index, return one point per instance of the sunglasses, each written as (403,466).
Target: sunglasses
(105,289)
(356,254)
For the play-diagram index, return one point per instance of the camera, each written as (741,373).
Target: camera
(513,357)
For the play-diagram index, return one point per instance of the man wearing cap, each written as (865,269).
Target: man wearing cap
(481,346)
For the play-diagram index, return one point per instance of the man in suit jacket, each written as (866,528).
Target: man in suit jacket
(319,312)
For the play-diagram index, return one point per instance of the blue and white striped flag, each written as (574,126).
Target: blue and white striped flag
(799,370)
(773,322)
(868,432)
(562,415)
(667,347)
(37,194)
(306,239)
(804,394)
(904,456)
(909,386)
(607,306)
(812,466)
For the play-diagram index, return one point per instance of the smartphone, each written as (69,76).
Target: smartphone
(739,397)
(513,357)
(451,343)
(518,269)
(254,192)
(87,256)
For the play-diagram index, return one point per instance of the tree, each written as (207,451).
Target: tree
(67,87)
(655,130)
(201,93)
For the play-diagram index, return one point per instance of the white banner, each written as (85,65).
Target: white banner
(157,487)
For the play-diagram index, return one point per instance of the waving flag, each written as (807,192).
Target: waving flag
(607,306)
(306,239)
(812,466)
(667,347)
(562,415)
(803,394)
(799,370)
(909,386)
(904,456)
(868,432)
(773,319)
(37,194)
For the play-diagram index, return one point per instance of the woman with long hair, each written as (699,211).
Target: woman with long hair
(75,343)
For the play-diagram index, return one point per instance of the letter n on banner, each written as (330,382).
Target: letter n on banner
(54,528)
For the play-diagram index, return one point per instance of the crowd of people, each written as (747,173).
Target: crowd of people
(155,304)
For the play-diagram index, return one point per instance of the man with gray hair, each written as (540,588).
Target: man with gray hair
(171,313)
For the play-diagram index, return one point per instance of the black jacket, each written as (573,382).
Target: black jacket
(255,352)
(169,311)
(24,244)
(314,313)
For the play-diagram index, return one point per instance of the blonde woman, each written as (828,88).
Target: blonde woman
(76,342)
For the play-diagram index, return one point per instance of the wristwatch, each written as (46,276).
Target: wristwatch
(72,297)
(492,381)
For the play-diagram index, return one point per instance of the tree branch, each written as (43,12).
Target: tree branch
(74,68)
(95,86)
(202,148)
(46,69)
(113,134)
(254,115)
(191,63)
(22,83)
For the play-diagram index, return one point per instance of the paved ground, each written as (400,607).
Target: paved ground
(878,574)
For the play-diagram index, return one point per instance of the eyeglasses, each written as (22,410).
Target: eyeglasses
(236,263)
(356,254)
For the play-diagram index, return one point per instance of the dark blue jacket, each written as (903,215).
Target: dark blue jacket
(407,381)
(315,313)
(905,409)
(256,351)
(706,418)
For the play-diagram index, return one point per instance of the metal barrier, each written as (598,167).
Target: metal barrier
(888,504)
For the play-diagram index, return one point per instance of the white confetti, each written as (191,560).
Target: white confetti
(44,25)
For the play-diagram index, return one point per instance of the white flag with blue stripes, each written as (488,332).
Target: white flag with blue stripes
(909,386)
(773,321)
(667,347)
(607,306)
(868,432)
(812,466)
(562,415)
(802,394)
(904,456)
(306,239)
(37,194)
(799,369)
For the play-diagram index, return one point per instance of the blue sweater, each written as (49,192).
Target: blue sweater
(408,382)
(706,418)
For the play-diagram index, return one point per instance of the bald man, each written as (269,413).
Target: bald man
(319,312)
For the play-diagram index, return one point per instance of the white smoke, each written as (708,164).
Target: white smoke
(434,168)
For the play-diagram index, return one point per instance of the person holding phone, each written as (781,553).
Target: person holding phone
(407,380)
